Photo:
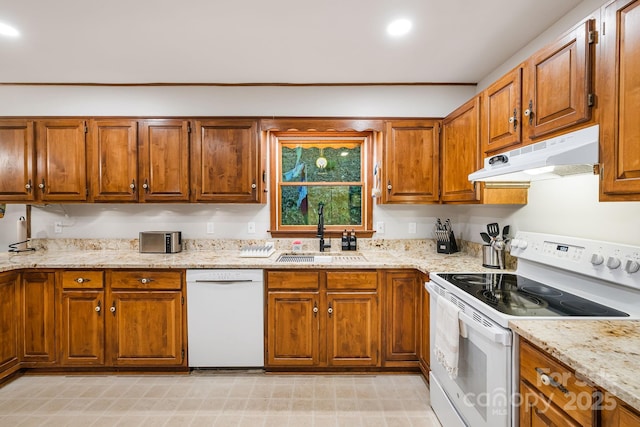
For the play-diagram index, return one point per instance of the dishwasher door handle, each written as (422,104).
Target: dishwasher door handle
(225,282)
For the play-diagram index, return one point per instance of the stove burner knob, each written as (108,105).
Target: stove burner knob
(613,263)
(515,243)
(522,244)
(597,259)
(631,266)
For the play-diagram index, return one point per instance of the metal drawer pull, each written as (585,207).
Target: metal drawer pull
(82,280)
(145,280)
(547,380)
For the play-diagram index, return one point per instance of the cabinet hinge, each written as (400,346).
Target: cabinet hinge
(591,37)
(182,354)
(188,128)
(591,99)
(182,300)
(86,128)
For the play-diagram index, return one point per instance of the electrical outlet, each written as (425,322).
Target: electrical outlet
(210,228)
(251,227)
(380,227)
(412,228)
(57,227)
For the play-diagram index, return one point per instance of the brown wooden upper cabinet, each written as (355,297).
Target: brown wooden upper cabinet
(410,161)
(17,160)
(503,109)
(460,152)
(225,164)
(114,166)
(61,160)
(549,92)
(163,160)
(619,83)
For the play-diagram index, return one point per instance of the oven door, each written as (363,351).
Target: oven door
(480,395)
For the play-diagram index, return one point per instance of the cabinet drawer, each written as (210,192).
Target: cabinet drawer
(146,279)
(82,279)
(352,280)
(572,395)
(293,279)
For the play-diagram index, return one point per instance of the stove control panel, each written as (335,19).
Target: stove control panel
(609,261)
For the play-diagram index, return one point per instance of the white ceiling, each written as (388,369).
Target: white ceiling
(265,41)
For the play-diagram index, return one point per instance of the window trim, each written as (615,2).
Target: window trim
(369,138)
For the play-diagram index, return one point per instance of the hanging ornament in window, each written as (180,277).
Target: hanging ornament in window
(321,162)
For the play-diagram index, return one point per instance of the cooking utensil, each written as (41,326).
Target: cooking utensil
(485,237)
(505,232)
(493,230)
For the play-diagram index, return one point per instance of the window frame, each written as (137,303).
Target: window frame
(276,137)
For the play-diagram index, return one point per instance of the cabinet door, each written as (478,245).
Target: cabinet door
(424,328)
(114,155)
(411,162)
(619,83)
(293,329)
(164,160)
(559,83)
(16,161)
(536,411)
(62,160)
(9,316)
(82,333)
(401,330)
(37,295)
(460,152)
(145,328)
(353,329)
(225,161)
(503,112)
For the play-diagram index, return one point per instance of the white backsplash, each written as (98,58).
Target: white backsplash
(567,206)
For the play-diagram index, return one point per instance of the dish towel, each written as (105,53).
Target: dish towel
(447,340)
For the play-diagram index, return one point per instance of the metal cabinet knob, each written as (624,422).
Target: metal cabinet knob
(28,186)
(82,280)
(98,308)
(113,309)
(145,280)
(41,185)
(133,184)
(315,309)
(254,186)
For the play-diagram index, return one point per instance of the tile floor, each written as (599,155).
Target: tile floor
(217,399)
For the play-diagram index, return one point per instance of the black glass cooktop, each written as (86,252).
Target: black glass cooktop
(518,296)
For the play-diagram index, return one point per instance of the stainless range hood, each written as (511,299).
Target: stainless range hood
(569,154)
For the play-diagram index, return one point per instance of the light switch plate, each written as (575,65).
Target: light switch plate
(413,228)
(251,227)
(210,228)
(380,227)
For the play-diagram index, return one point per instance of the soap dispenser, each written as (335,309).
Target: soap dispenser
(353,242)
(345,241)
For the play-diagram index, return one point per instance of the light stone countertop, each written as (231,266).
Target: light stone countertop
(605,352)
(117,254)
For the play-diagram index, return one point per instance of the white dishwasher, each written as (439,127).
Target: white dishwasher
(225,318)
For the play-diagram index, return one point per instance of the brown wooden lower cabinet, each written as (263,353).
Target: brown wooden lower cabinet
(615,413)
(401,331)
(332,321)
(9,316)
(424,326)
(551,393)
(145,328)
(37,327)
(111,319)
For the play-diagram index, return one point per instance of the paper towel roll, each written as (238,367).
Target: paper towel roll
(22,234)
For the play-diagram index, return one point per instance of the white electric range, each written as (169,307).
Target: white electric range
(557,277)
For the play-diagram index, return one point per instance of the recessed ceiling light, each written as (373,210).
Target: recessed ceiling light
(8,30)
(399,27)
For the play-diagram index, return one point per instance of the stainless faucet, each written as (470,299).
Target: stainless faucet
(320,232)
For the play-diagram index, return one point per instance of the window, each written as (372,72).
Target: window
(309,168)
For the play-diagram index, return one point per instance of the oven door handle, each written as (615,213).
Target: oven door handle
(493,332)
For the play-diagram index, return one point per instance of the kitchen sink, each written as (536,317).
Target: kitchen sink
(319,258)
